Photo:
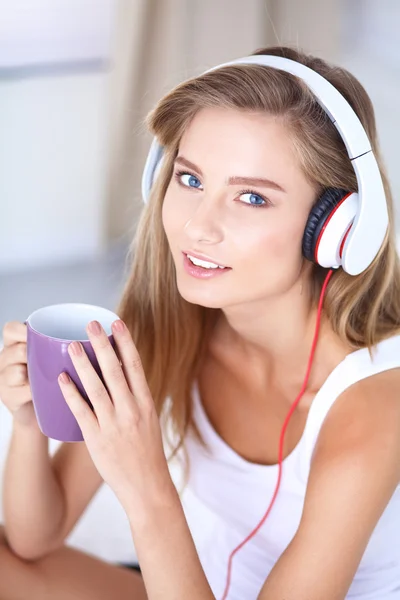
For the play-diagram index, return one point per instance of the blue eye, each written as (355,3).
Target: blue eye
(260,199)
(191,181)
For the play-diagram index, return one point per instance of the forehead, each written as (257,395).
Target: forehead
(239,143)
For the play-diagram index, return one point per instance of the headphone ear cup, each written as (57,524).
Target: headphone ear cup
(318,219)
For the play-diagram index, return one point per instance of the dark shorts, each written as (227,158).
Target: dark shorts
(133,566)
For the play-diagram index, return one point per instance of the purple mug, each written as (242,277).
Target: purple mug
(49,332)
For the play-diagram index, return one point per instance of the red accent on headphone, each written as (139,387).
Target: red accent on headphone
(326,225)
(344,239)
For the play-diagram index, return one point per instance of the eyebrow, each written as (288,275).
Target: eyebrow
(235,180)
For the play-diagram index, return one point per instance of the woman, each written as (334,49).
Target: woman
(220,351)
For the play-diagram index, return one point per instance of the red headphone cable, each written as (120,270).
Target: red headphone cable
(295,403)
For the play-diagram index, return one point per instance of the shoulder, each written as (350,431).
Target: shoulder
(364,421)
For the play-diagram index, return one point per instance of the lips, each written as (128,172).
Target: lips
(202,272)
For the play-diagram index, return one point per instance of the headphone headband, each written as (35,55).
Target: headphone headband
(366,236)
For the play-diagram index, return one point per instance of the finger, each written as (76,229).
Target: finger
(20,395)
(14,331)
(132,364)
(15,375)
(94,387)
(79,407)
(15,354)
(110,365)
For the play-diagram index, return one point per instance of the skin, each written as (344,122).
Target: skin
(65,574)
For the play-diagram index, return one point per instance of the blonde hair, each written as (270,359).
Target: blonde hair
(170,333)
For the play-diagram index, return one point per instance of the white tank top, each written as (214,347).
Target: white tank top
(227,496)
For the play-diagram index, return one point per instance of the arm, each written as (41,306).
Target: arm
(44,497)
(164,545)
(354,472)
(32,498)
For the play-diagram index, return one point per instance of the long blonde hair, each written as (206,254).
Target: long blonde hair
(170,333)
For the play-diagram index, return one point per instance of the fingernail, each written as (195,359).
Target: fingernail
(64,378)
(76,348)
(95,327)
(119,326)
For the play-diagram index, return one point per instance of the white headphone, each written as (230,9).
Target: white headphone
(343,229)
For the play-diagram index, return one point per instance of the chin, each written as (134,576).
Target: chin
(206,298)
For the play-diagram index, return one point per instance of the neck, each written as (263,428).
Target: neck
(272,341)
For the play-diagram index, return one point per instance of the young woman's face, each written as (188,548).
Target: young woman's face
(254,228)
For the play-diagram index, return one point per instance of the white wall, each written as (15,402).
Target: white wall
(53,146)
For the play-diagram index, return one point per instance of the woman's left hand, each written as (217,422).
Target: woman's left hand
(123,434)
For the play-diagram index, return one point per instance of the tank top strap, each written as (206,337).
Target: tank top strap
(356,366)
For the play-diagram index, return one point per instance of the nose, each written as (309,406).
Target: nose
(205,223)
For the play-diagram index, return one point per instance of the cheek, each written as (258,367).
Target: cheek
(285,244)
(175,214)
(278,248)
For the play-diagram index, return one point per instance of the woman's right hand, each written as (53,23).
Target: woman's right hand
(15,391)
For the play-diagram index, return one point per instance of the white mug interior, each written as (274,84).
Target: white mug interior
(69,321)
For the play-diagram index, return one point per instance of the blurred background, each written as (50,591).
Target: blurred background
(77,77)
